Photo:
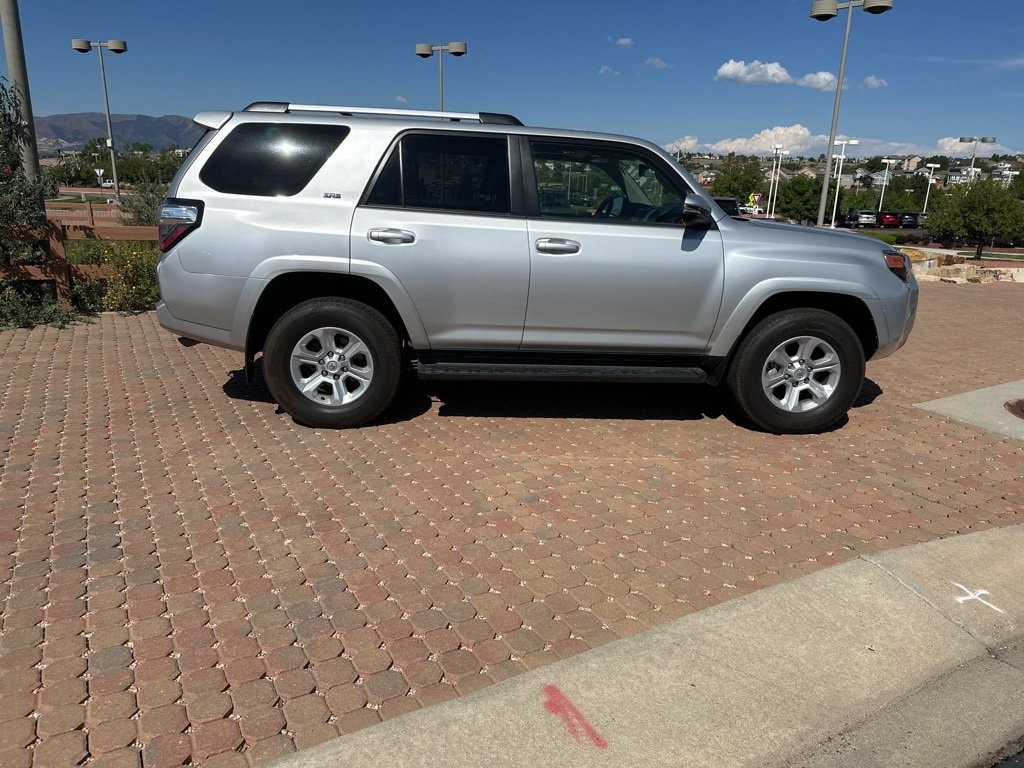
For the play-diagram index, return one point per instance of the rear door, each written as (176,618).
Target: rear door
(438,220)
(616,272)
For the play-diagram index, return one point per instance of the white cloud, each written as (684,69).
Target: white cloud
(952,146)
(796,138)
(873,82)
(754,73)
(625,42)
(656,62)
(607,71)
(800,141)
(401,100)
(772,73)
(682,144)
(819,81)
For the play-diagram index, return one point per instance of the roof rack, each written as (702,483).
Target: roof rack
(492,118)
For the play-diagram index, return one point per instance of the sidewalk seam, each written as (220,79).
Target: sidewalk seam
(942,614)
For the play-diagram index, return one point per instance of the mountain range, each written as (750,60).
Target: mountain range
(71,132)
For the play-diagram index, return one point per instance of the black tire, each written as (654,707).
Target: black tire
(797,372)
(332,362)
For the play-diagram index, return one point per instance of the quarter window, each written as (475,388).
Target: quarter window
(271,159)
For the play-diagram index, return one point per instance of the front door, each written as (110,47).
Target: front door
(612,268)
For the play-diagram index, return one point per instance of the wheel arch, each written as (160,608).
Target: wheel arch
(851,309)
(286,290)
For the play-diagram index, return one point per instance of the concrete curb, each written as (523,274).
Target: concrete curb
(860,664)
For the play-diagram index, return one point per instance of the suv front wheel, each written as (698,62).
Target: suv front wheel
(798,371)
(332,362)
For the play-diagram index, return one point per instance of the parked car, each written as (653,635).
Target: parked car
(910,220)
(729,204)
(322,238)
(856,219)
(109,184)
(888,219)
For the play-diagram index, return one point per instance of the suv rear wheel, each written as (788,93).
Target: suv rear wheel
(797,371)
(332,362)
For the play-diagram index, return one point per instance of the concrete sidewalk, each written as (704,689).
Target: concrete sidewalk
(912,657)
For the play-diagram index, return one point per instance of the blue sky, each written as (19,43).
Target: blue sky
(738,76)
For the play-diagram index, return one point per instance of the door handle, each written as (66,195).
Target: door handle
(391,236)
(557,245)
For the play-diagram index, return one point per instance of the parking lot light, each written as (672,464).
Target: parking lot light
(426,50)
(839,172)
(824,10)
(114,46)
(974,153)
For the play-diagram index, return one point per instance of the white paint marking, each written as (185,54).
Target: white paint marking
(975,595)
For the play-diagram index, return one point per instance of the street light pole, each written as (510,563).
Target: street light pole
(889,163)
(823,10)
(770,213)
(115,46)
(974,153)
(426,50)
(839,174)
(18,73)
(771,179)
(931,179)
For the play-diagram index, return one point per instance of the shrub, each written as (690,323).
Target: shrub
(25,304)
(133,286)
(139,208)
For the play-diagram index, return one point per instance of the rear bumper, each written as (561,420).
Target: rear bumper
(216,336)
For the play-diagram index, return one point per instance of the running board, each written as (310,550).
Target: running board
(554,372)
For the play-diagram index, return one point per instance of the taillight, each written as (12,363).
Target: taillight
(175,219)
(898,263)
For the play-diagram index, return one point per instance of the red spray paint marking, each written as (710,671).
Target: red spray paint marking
(558,704)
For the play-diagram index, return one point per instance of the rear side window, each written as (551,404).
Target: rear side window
(452,173)
(271,159)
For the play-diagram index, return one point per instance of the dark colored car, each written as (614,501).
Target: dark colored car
(909,220)
(729,204)
(888,219)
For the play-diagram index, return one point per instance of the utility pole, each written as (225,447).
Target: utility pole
(18,74)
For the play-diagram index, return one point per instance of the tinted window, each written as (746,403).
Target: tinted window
(453,172)
(270,159)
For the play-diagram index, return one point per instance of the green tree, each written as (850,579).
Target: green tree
(799,198)
(21,199)
(976,213)
(857,200)
(739,178)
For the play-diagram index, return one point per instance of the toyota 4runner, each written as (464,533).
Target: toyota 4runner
(344,243)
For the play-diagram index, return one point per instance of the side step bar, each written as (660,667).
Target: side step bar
(555,372)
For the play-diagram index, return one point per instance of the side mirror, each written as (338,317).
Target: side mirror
(696,213)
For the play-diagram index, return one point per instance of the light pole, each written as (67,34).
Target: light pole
(889,163)
(1008,178)
(770,212)
(974,154)
(839,172)
(931,180)
(771,179)
(114,46)
(17,74)
(426,50)
(823,10)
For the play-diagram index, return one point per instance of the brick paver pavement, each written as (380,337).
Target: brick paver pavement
(188,576)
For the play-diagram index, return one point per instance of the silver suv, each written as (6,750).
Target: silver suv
(346,243)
